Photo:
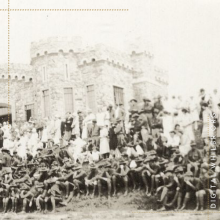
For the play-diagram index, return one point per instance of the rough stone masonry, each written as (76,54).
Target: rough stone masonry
(63,63)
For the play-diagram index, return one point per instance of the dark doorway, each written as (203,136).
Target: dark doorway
(28,114)
(4,118)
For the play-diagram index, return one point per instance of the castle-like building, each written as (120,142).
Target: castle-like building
(63,76)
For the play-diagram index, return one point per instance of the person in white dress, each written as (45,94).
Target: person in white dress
(194,111)
(33,142)
(87,122)
(22,146)
(206,118)
(187,124)
(104,142)
(100,117)
(44,137)
(75,125)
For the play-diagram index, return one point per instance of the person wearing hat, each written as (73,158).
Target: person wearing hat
(135,122)
(91,180)
(180,190)
(119,131)
(169,187)
(94,132)
(62,153)
(68,124)
(133,106)
(147,107)
(151,169)
(136,167)
(155,123)
(120,112)
(190,189)
(173,141)
(40,196)
(177,157)
(14,196)
(15,158)
(105,179)
(111,113)
(6,158)
(193,159)
(158,103)
(121,174)
(80,118)
(26,195)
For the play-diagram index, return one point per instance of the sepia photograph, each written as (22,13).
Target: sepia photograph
(110,109)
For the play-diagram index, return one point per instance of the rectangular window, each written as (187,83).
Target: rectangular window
(44,74)
(66,72)
(118,95)
(91,98)
(68,98)
(46,100)
(29,110)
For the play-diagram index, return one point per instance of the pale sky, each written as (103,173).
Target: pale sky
(183,35)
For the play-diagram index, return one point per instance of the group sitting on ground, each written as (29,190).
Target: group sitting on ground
(155,151)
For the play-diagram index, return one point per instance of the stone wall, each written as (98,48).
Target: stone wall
(149,89)
(56,82)
(104,75)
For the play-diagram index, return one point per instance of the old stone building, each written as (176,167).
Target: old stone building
(64,76)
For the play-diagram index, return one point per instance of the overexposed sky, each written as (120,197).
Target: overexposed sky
(184,35)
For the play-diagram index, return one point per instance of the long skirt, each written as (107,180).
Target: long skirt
(67,135)
(104,145)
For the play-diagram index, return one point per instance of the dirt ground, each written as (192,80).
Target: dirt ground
(135,206)
(115,215)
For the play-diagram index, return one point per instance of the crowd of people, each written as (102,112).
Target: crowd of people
(160,146)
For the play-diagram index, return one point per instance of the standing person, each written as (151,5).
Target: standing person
(133,106)
(113,142)
(57,130)
(194,111)
(94,132)
(1,136)
(62,126)
(100,116)
(75,126)
(215,99)
(120,112)
(104,142)
(68,124)
(44,137)
(87,123)
(80,116)
(203,98)
(187,124)
(107,117)
(147,107)
(119,131)
(111,113)
(206,116)
(158,103)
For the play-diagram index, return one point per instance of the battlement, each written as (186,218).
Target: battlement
(22,72)
(110,55)
(55,45)
(161,76)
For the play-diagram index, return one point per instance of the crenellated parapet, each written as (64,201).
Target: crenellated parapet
(55,45)
(21,72)
(161,76)
(108,54)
